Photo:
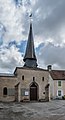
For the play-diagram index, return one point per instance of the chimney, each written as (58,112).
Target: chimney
(49,67)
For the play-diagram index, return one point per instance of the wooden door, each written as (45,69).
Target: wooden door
(33,92)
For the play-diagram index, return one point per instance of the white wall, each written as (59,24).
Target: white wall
(51,88)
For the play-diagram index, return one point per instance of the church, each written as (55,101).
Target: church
(31,83)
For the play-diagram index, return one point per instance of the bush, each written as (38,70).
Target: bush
(63,97)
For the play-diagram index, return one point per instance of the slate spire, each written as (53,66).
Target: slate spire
(30,57)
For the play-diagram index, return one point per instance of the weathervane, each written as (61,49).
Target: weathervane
(30,16)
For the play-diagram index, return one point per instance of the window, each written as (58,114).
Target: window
(42,78)
(4,91)
(59,83)
(33,78)
(43,92)
(23,77)
(59,93)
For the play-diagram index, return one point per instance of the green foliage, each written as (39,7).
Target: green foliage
(63,97)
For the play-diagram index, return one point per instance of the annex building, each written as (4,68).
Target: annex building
(31,83)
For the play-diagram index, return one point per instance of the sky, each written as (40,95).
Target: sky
(48,32)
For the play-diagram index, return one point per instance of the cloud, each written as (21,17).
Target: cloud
(51,54)
(12,18)
(51,22)
(21,45)
(48,27)
(10,58)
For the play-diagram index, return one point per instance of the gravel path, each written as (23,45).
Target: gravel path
(54,110)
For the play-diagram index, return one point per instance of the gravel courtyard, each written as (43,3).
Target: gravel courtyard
(54,110)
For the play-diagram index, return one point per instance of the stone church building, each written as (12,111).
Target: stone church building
(30,83)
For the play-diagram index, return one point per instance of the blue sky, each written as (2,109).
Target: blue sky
(48,32)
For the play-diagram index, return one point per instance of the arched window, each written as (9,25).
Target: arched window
(23,77)
(5,91)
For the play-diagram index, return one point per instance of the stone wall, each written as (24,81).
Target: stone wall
(28,79)
(9,83)
(40,77)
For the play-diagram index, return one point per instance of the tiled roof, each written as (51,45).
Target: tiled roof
(6,75)
(58,74)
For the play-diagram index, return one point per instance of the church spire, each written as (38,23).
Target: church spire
(30,57)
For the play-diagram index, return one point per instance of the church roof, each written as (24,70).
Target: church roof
(7,75)
(58,74)
(30,51)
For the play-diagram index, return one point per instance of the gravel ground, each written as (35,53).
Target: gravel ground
(54,110)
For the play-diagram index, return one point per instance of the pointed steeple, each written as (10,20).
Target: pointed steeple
(30,57)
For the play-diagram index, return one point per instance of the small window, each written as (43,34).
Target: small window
(59,93)
(59,83)
(33,78)
(42,78)
(5,91)
(23,77)
(43,92)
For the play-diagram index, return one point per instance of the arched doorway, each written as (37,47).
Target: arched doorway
(33,92)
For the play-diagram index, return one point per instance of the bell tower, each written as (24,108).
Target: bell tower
(30,57)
